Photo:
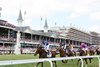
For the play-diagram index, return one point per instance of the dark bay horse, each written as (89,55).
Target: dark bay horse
(70,52)
(62,53)
(98,51)
(85,53)
(43,54)
(65,53)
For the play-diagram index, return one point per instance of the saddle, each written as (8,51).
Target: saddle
(49,54)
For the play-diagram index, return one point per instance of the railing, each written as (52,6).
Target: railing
(11,62)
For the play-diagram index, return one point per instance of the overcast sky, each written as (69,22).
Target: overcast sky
(83,14)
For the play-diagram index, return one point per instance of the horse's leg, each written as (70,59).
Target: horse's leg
(64,61)
(55,64)
(78,61)
(86,61)
(37,64)
(41,64)
(90,61)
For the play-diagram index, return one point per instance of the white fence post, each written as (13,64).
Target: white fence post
(98,60)
(50,63)
(81,62)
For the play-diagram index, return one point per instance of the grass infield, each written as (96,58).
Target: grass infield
(70,63)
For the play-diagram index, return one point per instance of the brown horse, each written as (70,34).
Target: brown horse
(85,53)
(62,53)
(70,50)
(98,51)
(43,54)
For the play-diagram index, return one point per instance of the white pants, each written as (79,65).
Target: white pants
(46,48)
(64,46)
(84,49)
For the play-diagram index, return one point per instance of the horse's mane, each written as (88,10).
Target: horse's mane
(41,49)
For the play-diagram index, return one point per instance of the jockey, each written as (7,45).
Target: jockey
(63,46)
(84,47)
(45,46)
(71,47)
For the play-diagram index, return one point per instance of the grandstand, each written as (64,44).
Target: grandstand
(22,39)
(29,38)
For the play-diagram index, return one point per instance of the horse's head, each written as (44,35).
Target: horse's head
(61,52)
(38,51)
(42,53)
(59,49)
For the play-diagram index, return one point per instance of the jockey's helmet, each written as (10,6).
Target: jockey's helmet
(83,45)
(45,42)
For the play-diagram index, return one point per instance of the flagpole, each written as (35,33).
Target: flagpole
(24,26)
(41,22)
(24,17)
(0,11)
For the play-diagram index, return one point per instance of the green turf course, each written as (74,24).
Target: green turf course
(46,64)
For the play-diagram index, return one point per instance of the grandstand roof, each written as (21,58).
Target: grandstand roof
(27,29)
(5,23)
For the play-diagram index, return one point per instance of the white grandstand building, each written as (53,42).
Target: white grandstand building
(20,39)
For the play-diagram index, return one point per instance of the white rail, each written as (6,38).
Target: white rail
(11,62)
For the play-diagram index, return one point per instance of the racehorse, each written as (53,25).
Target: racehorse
(43,54)
(85,53)
(92,50)
(70,52)
(62,53)
(97,48)
(65,52)
(98,51)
